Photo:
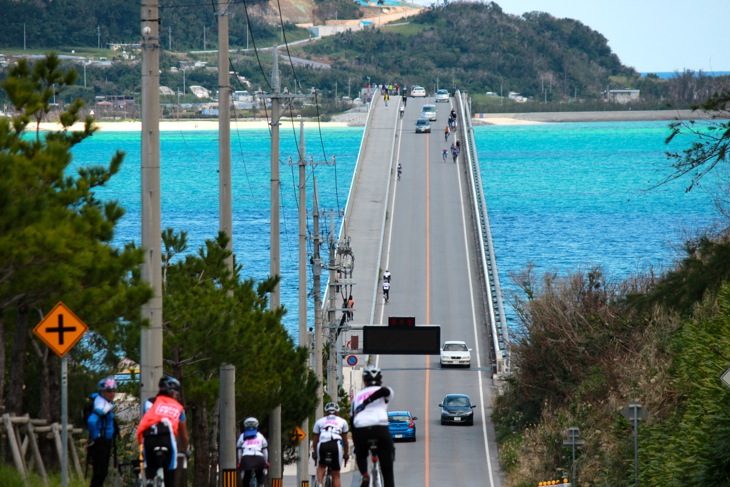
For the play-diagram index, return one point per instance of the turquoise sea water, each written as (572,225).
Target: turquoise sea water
(571,196)
(561,196)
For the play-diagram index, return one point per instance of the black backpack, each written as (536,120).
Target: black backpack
(88,409)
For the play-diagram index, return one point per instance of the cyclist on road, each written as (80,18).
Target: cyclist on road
(444,153)
(446,133)
(386,290)
(329,435)
(253,452)
(402,110)
(370,422)
(386,276)
(162,425)
(400,170)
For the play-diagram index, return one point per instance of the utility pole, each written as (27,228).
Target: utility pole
(340,267)
(275,457)
(303,462)
(151,337)
(98,36)
(225,205)
(227,459)
(317,284)
(276,471)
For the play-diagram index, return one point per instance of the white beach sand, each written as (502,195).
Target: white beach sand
(350,119)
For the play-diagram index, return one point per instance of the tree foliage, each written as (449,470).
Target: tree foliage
(55,245)
(708,146)
(55,238)
(212,317)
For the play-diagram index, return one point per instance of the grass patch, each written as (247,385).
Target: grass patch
(10,477)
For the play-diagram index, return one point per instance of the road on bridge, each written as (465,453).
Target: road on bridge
(429,247)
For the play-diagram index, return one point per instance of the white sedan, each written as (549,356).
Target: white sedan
(455,353)
(418,91)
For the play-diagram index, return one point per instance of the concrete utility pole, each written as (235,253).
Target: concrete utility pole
(276,471)
(303,462)
(227,460)
(225,205)
(340,267)
(151,337)
(317,285)
(275,452)
(225,225)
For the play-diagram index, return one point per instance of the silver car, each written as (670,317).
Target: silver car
(442,95)
(423,126)
(429,112)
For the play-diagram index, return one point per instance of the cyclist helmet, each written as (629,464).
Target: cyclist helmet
(372,375)
(107,384)
(332,408)
(250,423)
(169,384)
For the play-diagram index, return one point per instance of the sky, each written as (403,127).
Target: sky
(649,35)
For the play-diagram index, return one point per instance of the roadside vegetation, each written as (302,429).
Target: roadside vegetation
(592,344)
(56,246)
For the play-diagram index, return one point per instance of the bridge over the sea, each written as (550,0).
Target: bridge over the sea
(430,229)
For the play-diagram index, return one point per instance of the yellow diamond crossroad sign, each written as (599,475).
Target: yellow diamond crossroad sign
(297,435)
(60,329)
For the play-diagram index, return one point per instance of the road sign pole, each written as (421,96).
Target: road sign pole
(64,421)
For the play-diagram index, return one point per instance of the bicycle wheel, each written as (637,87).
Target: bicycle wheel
(327,481)
(376,476)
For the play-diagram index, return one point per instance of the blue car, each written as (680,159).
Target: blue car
(402,425)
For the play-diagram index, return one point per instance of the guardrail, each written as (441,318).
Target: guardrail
(490,276)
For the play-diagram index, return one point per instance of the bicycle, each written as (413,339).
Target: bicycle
(252,482)
(446,134)
(386,295)
(376,476)
(160,452)
(327,479)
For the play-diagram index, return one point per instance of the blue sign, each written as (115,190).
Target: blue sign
(351,360)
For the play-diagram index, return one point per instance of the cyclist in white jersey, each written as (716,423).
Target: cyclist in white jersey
(329,435)
(253,452)
(370,421)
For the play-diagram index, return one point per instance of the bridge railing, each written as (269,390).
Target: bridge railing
(491,289)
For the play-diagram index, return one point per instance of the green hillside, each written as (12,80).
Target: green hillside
(556,64)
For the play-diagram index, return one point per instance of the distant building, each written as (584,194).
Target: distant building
(622,96)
